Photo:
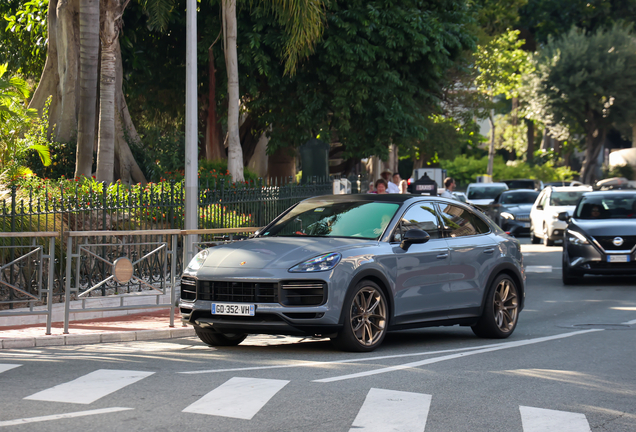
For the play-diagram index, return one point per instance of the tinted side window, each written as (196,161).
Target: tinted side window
(421,216)
(462,222)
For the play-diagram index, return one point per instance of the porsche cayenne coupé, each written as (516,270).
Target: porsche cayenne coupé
(353,267)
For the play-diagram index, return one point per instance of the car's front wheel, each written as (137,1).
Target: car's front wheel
(546,237)
(533,238)
(501,309)
(366,318)
(214,338)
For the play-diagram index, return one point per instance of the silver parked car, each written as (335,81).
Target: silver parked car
(352,267)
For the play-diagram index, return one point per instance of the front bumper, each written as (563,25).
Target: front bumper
(556,229)
(295,304)
(590,260)
(515,227)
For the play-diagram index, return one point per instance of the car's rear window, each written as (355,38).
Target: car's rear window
(565,198)
(356,219)
(518,197)
(484,192)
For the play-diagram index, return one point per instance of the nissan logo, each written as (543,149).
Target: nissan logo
(618,241)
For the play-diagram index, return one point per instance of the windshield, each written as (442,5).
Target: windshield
(520,184)
(518,197)
(357,219)
(484,192)
(565,198)
(607,207)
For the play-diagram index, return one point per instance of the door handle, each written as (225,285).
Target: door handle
(489,251)
(442,256)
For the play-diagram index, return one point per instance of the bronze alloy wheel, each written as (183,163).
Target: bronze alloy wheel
(506,305)
(501,310)
(368,316)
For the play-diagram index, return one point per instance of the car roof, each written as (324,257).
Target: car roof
(499,184)
(571,188)
(391,198)
(510,191)
(612,192)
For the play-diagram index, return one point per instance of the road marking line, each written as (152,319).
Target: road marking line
(539,269)
(497,347)
(237,398)
(630,322)
(62,416)
(5,367)
(88,388)
(320,364)
(546,420)
(389,410)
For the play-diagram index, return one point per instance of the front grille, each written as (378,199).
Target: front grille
(249,292)
(606,242)
(523,217)
(188,288)
(303,293)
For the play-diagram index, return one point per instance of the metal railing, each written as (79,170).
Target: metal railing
(27,274)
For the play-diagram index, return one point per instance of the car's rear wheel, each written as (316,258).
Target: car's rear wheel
(214,338)
(501,309)
(546,237)
(366,318)
(569,276)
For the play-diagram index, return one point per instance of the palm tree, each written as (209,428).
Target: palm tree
(302,21)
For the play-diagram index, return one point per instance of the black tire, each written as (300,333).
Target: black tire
(501,309)
(214,338)
(533,238)
(546,238)
(365,318)
(569,276)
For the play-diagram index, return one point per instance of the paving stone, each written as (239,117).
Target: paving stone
(43,341)
(119,337)
(18,343)
(153,334)
(81,339)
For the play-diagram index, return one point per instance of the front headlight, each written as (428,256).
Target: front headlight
(197,262)
(576,238)
(555,215)
(507,215)
(320,263)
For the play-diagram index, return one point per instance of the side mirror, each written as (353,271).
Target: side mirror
(563,216)
(414,236)
(539,207)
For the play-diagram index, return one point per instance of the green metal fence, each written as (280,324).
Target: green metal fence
(150,207)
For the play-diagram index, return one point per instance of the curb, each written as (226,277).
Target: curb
(87,339)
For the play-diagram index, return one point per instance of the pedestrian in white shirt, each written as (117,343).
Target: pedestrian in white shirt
(392,187)
(449,185)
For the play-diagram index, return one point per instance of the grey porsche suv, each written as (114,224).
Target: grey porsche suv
(352,267)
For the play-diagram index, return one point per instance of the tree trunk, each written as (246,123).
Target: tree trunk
(60,76)
(89,52)
(594,140)
(491,149)
(530,138)
(281,165)
(214,148)
(634,135)
(109,31)
(235,154)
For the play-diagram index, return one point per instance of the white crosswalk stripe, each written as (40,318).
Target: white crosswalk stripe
(89,388)
(546,420)
(390,410)
(5,367)
(237,398)
(540,269)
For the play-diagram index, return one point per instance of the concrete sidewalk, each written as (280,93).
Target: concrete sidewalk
(153,324)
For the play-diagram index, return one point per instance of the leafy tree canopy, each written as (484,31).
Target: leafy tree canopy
(373,80)
(23,36)
(545,18)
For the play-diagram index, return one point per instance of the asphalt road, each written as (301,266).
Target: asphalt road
(568,367)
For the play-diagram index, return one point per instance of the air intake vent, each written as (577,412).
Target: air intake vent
(303,293)
(188,288)
(244,292)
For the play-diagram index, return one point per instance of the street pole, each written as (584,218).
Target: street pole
(191,144)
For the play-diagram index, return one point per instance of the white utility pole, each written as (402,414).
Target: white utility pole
(191,144)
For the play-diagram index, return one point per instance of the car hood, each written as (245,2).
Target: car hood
(606,227)
(277,252)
